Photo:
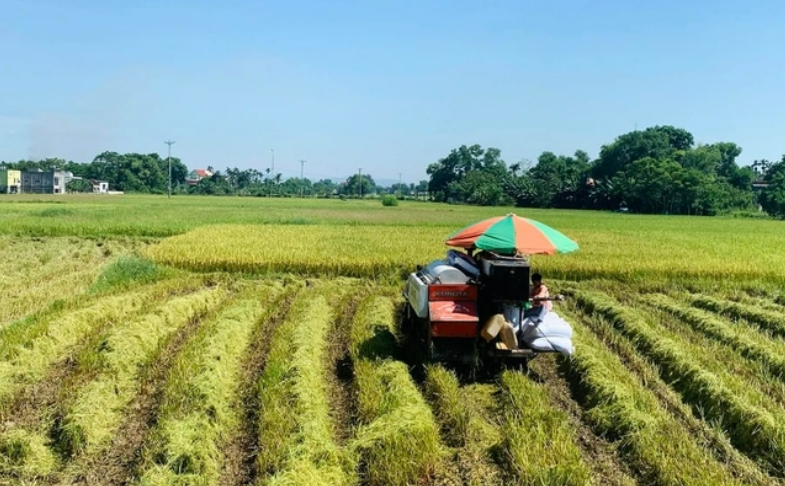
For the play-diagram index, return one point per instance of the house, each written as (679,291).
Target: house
(99,187)
(10,181)
(197,175)
(45,182)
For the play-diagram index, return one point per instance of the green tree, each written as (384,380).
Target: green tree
(656,142)
(353,185)
(772,198)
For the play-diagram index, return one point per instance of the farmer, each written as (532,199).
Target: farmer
(537,294)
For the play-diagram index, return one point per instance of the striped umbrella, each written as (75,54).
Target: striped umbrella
(510,234)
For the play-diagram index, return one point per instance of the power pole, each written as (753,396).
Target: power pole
(360,181)
(302,180)
(272,170)
(169,161)
(400,188)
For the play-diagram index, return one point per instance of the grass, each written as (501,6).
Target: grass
(398,439)
(127,272)
(296,432)
(198,412)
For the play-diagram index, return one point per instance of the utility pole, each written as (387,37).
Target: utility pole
(400,187)
(302,180)
(169,161)
(360,181)
(272,169)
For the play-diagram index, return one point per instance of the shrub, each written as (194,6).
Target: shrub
(389,200)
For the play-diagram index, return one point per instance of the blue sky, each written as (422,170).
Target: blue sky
(386,85)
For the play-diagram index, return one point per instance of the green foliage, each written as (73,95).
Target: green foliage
(447,176)
(389,200)
(773,197)
(126,272)
(358,185)
(657,170)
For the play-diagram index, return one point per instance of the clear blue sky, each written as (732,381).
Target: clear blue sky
(386,85)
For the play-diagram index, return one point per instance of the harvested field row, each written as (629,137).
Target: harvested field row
(199,411)
(29,348)
(619,406)
(89,410)
(397,442)
(296,435)
(755,424)
(745,339)
(766,319)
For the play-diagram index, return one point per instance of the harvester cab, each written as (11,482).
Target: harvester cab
(476,311)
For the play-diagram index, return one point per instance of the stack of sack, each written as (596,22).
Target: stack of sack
(546,331)
(552,333)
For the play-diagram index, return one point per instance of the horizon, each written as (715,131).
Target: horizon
(389,87)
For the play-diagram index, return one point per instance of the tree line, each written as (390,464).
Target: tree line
(149,174)
(656,170)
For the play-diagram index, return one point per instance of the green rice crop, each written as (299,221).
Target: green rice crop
(198,414)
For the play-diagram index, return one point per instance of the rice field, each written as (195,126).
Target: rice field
(228,341)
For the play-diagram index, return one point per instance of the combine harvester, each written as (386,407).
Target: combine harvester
(476,310)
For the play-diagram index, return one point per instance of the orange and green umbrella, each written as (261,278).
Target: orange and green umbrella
(510,234)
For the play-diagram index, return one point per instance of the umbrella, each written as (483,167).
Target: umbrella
(511,233)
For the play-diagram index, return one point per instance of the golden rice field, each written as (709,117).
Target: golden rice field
(238,341)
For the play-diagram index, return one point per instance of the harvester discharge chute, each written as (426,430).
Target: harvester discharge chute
(475,309)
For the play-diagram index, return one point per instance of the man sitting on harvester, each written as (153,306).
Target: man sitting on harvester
(540,297)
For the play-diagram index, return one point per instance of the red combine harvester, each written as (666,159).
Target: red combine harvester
(454,307)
